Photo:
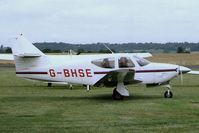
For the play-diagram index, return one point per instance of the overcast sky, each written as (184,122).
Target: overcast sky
(90,21)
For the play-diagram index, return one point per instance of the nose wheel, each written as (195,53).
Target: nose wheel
(168,93)
(116,95)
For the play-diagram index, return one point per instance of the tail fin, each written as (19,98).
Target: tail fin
(26,55)
(24,48)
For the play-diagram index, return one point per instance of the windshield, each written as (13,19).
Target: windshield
(141,61)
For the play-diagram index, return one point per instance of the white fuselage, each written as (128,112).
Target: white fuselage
(78,69)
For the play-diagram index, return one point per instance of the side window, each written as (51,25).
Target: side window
(125,62)
(105,63)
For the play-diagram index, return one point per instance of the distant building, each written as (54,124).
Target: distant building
(187,50)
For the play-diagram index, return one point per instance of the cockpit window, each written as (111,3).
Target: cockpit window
(141,61)
(125,62)
(105,63)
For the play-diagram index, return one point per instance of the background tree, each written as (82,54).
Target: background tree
(8,50)
(180,50)
(1,49)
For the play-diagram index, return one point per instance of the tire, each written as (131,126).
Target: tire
(168,94)
(49,84)
(116,95)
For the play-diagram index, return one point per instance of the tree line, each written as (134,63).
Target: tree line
(5,49)
(123,47)
(54,47)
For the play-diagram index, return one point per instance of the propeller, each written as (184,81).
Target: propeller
(181,75)
(182,70)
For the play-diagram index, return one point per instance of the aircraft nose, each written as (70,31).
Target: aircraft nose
(183,70)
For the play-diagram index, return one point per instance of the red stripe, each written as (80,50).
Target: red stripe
(101,72)
(143,71)
(31,72)
(149,71)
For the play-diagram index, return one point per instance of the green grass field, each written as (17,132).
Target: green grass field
(32,107)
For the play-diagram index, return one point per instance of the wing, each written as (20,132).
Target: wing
(193,72)
(143,55)
(113,77)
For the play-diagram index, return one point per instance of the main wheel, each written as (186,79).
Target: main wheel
(168,94)
(116,95)
(49,84)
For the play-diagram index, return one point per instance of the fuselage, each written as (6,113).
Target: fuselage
(87,69)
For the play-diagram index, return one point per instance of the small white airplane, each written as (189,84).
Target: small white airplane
(115,70)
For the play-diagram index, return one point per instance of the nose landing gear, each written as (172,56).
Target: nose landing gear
(168,93)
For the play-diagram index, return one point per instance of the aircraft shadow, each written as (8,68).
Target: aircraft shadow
(185,85)
(104,97)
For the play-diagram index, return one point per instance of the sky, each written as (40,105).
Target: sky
(92,21)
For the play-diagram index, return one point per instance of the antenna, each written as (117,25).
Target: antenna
(108,48)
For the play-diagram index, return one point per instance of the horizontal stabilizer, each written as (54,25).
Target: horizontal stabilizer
(28,55)
(6,57)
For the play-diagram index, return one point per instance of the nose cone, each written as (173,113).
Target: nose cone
(183,70)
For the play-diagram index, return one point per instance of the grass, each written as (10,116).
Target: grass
(180,59)
(32,107)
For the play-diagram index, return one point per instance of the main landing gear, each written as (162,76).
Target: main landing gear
(49,84)
(120,92)
(116,95)
(168,93)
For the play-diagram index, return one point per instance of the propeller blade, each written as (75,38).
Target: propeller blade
(183,70)
(181,77)
(180,74)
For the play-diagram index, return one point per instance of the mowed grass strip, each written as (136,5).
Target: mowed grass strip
(180,59)
(32,107)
